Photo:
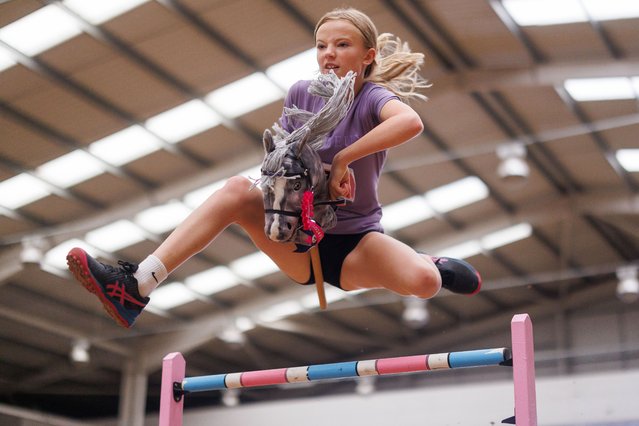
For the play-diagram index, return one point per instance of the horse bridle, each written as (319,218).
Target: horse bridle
(306,175)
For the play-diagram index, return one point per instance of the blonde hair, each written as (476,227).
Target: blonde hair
(395,67)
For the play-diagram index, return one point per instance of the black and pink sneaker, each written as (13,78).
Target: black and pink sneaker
(116,288)
(458,276)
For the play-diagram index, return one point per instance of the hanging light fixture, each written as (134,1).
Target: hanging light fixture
(513,167)
(415,313)
(628,287)
(80,351)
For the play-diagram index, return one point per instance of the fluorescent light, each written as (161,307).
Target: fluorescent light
(115,236)
(457,194)
(253,266)
(244,324)
(603,10)
(183,121)
(302,66)
(461,251)
(171,295)
(279,311)
(57,256)
(212,280)
(244,95)
(20,190)
(40,30)
(597,89)
(6,59)
(506,236)
(545,12)
(310,301)
(406,212)
(629,159)
(125,146)
(97,12)
(70,169)
(163,218)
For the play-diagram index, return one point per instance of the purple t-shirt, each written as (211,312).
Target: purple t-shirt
(365,212)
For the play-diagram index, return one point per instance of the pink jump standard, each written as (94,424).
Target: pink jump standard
(175,386)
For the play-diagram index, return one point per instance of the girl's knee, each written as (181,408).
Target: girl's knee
(425,282)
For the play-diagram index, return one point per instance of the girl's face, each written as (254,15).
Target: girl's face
(340,47)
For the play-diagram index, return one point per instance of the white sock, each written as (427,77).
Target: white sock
(151,272)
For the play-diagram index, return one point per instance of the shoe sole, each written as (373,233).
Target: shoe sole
(77,262)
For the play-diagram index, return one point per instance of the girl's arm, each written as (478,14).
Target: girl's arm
(399,123)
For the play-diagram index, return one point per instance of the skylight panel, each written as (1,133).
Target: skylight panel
(405,213)
(629,159)
(115,236)
(604,10)
(125,146)
(40,30)
(183,121)
(197,197)
(212,280)
(57,256)
(280,311)
(253,266)
(506,236)
(6,59)
(170,295)
(70,169)
(21,190)
(462,251)
(545,12)
(598,89)
(163,218)
(302,66)
(97,12)
(457,194)
(244,95)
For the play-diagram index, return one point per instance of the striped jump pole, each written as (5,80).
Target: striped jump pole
(175,385)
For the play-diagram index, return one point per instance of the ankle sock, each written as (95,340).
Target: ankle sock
(151,272)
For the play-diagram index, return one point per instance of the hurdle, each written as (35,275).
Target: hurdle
(175,386)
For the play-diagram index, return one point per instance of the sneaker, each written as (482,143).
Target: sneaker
(116,287)
(458,276)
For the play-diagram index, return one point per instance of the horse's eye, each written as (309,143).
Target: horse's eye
(297,186)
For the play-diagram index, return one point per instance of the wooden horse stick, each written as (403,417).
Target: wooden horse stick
(319,276)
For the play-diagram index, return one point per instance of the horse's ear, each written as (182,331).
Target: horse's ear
(267,139)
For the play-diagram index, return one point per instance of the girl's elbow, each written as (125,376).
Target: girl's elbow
(415,125)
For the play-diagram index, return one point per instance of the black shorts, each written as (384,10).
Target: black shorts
(333,249)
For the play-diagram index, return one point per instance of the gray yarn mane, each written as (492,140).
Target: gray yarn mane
(339,94)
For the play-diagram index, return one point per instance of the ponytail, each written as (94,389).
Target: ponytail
(397,68)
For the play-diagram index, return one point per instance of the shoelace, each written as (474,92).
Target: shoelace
(128,267)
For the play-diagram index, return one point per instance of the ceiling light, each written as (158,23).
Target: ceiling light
(462,251)
(21,190)
(365,385)
(70,169)
(231,397)
(183,121)
(125,146)
(170,295)
(40,30)
(415,313)
(212,280)
(244,95)
(302,66)
(603,10)
(115,236)
(405,213)
(163,218)
(545,12)
(513,167)
(97,12)
(628,287)
(253,266)
(80,351)
(600,89)
(629,159)
(457,194)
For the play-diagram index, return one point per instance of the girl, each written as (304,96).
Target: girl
(356,253)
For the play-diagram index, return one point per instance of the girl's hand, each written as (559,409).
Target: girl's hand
(339,185)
